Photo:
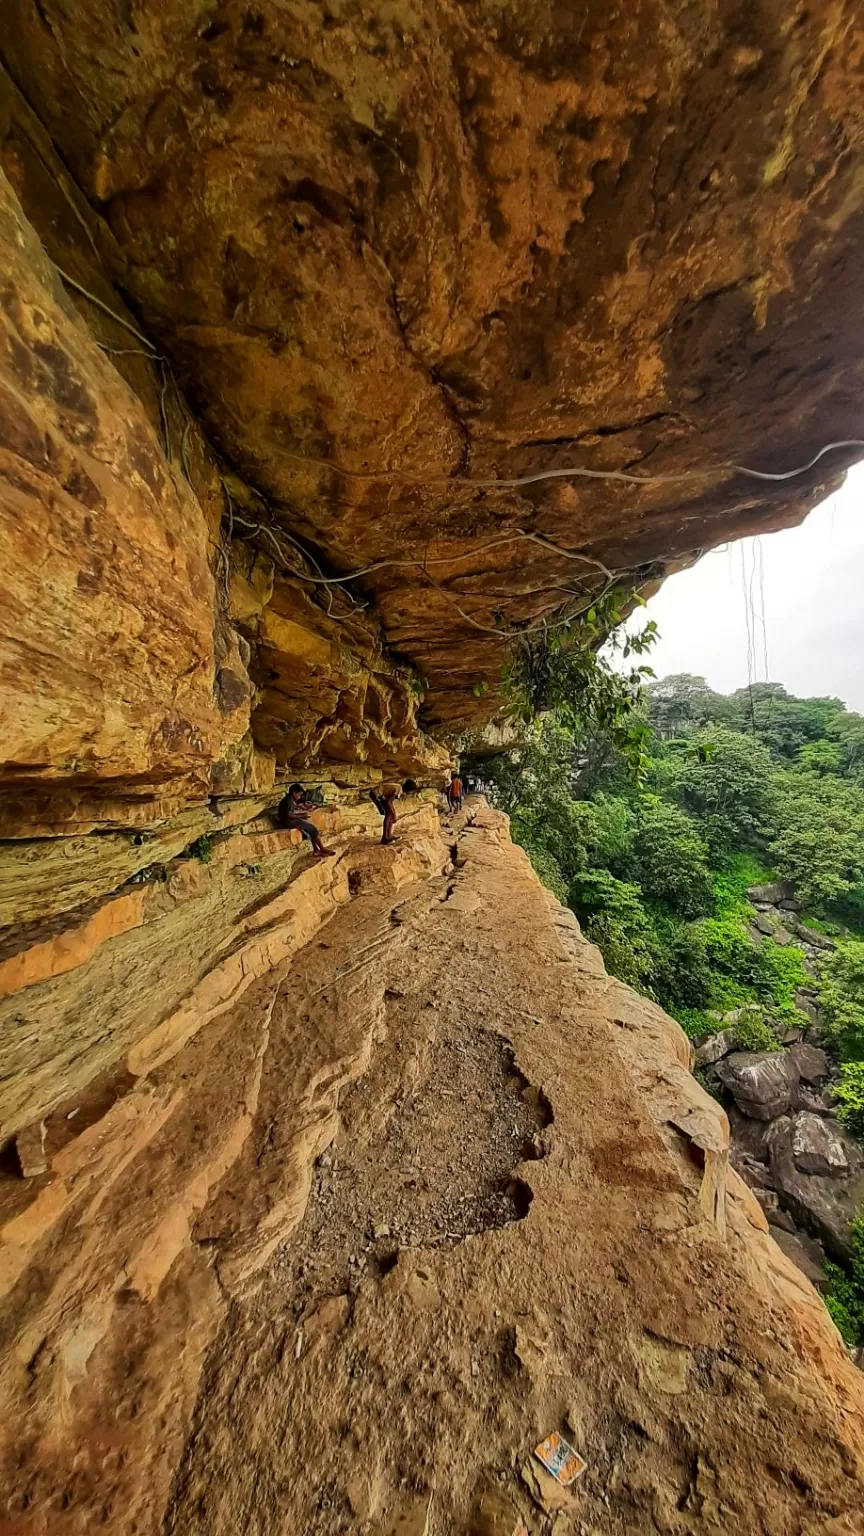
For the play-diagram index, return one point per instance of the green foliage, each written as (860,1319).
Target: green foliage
(819,844)
(681,704)
(695,1022)
(733,959)
(597,891)
(726,793)
(841,999)
(732,881)
(845,1298)
(614,919)
(202,848)
(669,859)
(680,970)
(564,670)
(753,1033)
(781,973)
(819,757)
(731,791)
(849,1093)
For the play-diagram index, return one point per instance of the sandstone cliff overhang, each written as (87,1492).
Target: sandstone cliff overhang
(383,254)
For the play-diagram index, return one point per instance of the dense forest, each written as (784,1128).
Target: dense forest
(730,792)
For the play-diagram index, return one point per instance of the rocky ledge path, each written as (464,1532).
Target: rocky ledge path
(467,1193)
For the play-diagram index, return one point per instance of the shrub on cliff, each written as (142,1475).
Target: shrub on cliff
(845,1298)
(842,999)
(849,1093)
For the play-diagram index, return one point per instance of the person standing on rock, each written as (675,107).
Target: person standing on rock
(293,811)
(454,793)
(385,802)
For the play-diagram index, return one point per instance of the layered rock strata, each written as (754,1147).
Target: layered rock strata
(247,1289)
(382,255)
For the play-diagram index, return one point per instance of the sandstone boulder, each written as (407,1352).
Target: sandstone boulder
(816,1146)
(762,1083)
(771,894)
(715,1048)
(811,1063)
(822,1204)
(806,1254)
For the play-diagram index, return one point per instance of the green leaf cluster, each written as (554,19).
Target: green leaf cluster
(845,1298)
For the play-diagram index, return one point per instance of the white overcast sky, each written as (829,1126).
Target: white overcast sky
(814,607)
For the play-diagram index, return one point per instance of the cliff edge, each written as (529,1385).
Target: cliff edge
(336,1257)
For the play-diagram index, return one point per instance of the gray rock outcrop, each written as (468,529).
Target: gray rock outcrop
(762,1083)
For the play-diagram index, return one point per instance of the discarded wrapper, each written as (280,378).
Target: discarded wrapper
(559,1458)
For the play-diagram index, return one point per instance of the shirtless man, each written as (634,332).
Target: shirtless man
(294,811)
(385,802)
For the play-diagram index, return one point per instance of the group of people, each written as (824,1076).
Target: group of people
(295,810)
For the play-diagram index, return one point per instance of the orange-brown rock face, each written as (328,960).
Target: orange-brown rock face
(282,288)
(481,240)
(107,634)
(339,1241)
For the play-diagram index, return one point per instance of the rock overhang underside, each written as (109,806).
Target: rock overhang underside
(372,257)
(291,1174)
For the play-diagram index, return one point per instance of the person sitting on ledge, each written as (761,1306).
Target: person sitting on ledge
(293,811)
(385,802)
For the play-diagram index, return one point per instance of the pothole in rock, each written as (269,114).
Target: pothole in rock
(439,1169)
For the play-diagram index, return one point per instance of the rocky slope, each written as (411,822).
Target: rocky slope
(804,1167)
(335,1257)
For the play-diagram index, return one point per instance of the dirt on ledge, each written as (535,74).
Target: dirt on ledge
(467,1208)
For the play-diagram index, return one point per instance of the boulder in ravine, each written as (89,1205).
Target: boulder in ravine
(823,1204)
(770,895)
(753,1171)
(815,940)
(715,1048)
(763,924)
(806,1254)
(816,1146)
(762,1083)
(748,1136)
(818,1101)
(811,1064)
(805,1004)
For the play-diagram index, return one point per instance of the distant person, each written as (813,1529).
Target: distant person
(454,793)
(385,802)
(293,811)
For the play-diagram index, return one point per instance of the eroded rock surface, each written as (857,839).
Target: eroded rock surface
(763,1083)
(281,287)
(385,252)
(247,1292)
